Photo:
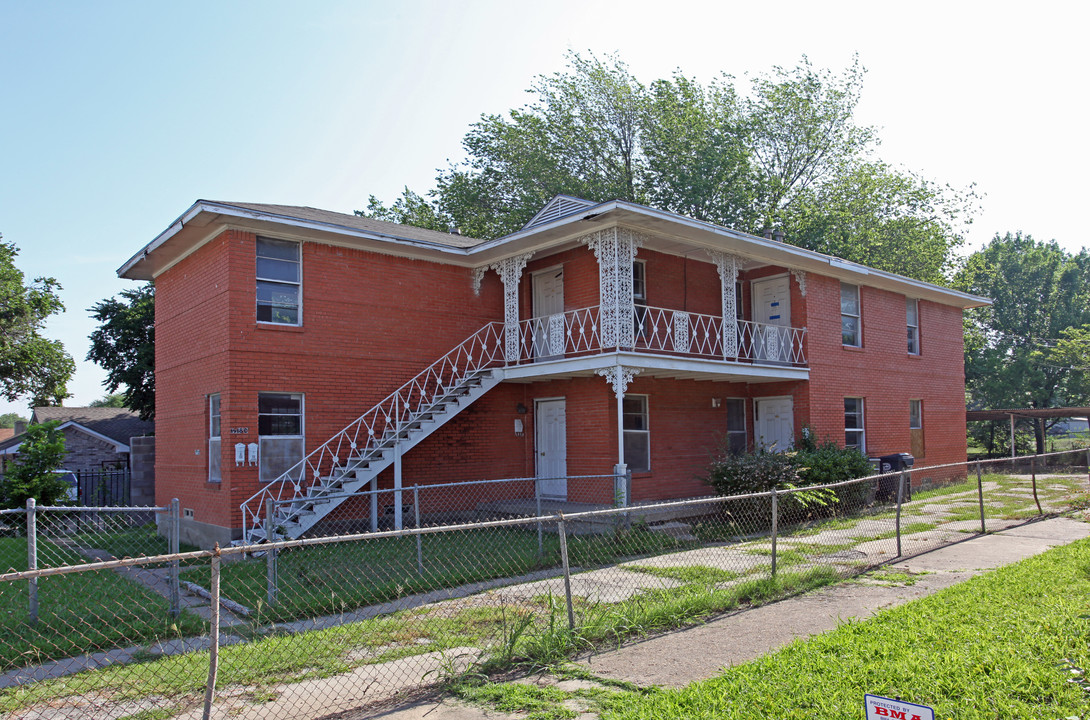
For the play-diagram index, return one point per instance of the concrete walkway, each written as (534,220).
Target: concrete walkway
(701,652)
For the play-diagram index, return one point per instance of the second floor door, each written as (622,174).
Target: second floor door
(547,325)
(771,338)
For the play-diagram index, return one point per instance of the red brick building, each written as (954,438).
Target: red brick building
(301,352)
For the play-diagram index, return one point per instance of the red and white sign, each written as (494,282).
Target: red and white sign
(881,708)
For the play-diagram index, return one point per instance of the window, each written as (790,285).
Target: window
(736,425)
(280,430)
(854,432)
(278,280)
(912,313)
(639,297)
(849,316)
(637,436)
(215,457)
(915,428)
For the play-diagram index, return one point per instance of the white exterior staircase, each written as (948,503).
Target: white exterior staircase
(352,459)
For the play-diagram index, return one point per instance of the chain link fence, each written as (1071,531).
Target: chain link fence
(312,627)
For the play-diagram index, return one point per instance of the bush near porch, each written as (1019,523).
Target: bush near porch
(808,465)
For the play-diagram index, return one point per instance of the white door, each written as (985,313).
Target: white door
(775,423)
(551,448)
(548,323)
(772,310)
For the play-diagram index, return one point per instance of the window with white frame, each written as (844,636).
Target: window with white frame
(215,457)
(280,431)
(912,315)
(915,415)
(850,333)
(639,296)
(637,434)
(855,434)
(736,425)
(278,281)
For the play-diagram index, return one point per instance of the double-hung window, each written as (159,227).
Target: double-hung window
(736,425)
(912,319)
(278,281)
(855,434)
(215,457)
(850,330)
(280,431)
(637,435)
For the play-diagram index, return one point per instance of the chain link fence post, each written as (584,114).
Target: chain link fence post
(540,527)
(32,557)
(174,542)
(419,537)
(1033,479)
(1088,465)
(980,497)
(775,527)
(900,500)
(213,634)
(563,533)
(272,556)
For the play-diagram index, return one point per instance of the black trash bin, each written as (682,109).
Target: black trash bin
(887,486)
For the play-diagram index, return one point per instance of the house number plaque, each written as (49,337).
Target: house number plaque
(240,431)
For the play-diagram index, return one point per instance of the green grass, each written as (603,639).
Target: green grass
(81,612)
(339,577)
(689,574)
(993,647)
(538,702)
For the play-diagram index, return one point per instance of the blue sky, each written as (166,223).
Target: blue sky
(116,116)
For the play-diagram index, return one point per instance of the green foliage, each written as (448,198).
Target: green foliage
(30,365)
(1001,645)
(115,400)
(8,420)
(1039,292)
(826,463)
(33,474)
(124,345)
(742,473)
(786,153)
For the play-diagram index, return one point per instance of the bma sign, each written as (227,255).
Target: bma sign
(880,708)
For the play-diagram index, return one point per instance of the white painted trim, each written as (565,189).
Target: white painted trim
(758,248)
(742,372)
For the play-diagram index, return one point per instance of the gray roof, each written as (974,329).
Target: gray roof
(118,424)
(355,222)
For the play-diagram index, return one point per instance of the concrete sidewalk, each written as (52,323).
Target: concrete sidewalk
(678,658)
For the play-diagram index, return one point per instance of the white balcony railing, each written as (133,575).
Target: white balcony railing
(661,331)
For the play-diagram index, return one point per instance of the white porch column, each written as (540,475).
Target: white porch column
(728,266)
(619,376)
(615,250)
(510,272)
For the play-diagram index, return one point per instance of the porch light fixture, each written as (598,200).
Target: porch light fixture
(521,409)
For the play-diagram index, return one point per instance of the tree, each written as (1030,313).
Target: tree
(115,400)
(33,474)
(30,365)
(787,154)
(1039,292)
(8,420)
(124,345)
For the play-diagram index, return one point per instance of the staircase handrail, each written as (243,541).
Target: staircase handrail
(381,424)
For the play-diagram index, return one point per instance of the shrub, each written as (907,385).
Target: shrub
(34,474)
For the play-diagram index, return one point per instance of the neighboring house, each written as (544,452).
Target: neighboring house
(95,438)
(598,336)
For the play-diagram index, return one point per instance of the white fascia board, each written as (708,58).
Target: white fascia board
(759,248)
(247,214)
(174,229)
(118,446)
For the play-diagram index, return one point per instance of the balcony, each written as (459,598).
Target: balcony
(659,341)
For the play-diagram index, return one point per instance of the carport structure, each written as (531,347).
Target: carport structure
(1036,414)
